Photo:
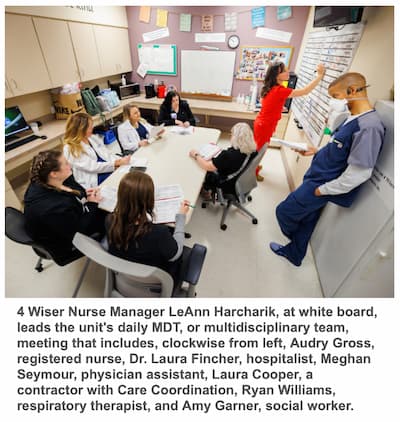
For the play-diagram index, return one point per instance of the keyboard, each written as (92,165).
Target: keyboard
(19,142)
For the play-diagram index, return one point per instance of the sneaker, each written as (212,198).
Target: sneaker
(277,249)
(259,178)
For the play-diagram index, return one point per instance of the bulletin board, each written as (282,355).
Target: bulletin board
(161,58)
(255,60)
(335,49)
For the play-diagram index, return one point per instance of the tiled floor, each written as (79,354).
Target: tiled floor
(238,264)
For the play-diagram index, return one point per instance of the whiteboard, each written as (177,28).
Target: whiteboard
(335,49)
(207,72)
(160,58)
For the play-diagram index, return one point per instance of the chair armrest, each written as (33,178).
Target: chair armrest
(195,263)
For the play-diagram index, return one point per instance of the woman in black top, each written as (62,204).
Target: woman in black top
(174,111)
(228,161)
(132,234)
(56,206)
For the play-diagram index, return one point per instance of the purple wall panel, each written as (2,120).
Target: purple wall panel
(185,40)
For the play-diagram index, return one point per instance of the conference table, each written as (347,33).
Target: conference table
(168,162)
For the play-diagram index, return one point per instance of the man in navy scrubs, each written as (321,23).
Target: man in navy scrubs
(337,170)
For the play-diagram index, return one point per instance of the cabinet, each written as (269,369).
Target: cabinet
(114,51)
(26,70)
(7,90)
(85,48)
(57,48)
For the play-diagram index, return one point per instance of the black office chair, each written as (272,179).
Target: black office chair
(245,183)
(15,230)
(130,279)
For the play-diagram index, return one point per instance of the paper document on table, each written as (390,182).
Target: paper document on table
(209,151)
(123,169)
(138,161)
(166,210)
(182,130)
(155,132)
(301,146)
(108,198)
(168,192)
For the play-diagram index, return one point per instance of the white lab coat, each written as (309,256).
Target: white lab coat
(85,167)
(128,135)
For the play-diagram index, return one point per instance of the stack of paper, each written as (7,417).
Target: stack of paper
(209,151)
(182,130)
(155,132)
(138,161)
(108,198)
(300,146)
(168,199)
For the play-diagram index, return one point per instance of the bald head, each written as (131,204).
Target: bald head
(353,79)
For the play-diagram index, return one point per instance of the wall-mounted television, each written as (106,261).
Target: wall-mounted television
(336,16)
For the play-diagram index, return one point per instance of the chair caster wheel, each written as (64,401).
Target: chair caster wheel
(223,226)
(203,205)
(249,198)
(39,269)
(254,221)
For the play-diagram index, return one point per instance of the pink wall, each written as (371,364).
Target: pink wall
(185,40)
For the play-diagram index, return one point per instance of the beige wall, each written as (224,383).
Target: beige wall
(374,59)
(104,15)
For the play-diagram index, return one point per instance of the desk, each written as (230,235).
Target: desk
(169,162)
(54,130)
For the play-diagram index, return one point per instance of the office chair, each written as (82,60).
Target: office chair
(130,279)
(15,230)
(245,183)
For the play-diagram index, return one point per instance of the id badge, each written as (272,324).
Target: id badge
(174,116)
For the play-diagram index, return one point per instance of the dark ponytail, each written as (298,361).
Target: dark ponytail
(42,165)
(271,77)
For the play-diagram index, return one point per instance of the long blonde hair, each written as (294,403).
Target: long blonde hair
(242,138)
(75,132)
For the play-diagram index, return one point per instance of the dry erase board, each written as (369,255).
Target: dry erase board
(207,72)
(335,49)
(160,58)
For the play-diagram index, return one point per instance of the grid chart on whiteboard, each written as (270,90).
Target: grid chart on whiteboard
(335,49)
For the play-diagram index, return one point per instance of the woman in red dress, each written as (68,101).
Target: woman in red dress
(273,97)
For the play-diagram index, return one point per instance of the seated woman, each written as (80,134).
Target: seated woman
(224,169)
(56,206)
(174,111)
(135,131)
(133,236)
(90,159)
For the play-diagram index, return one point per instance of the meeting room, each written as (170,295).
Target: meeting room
(193,151)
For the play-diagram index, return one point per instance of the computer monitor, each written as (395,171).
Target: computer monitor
(14,122)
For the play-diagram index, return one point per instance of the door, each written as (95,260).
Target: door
(85,48)
(25,66)
(57,48)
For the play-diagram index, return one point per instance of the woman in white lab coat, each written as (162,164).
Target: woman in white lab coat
(91,161)
(135,131)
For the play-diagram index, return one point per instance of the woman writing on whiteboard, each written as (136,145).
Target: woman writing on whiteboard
(273,97)
(175,111)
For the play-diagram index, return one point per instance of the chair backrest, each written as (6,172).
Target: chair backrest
(15,227)
(247,181)
(125,278)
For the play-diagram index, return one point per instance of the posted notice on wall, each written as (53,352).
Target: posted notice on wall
(200,359)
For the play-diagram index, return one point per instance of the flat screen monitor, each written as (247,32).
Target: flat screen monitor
(336,15)
(14,122)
